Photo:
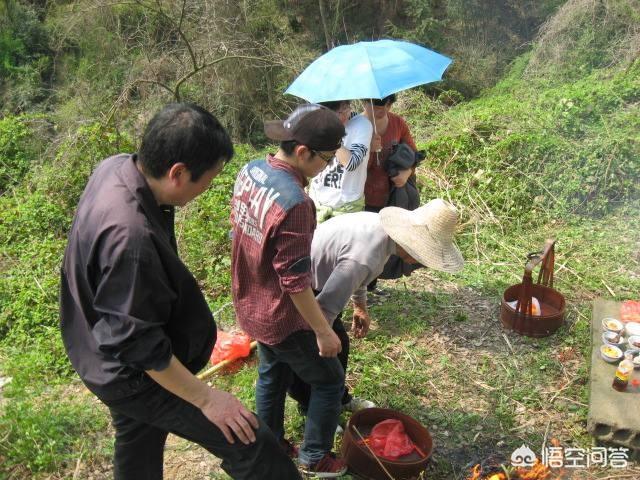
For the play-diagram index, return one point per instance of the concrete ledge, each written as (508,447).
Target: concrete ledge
(613,416)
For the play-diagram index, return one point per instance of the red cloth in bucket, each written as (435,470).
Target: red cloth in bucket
(388,440)
(230,346)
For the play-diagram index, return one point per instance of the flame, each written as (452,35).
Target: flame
(475,474)
(537,472)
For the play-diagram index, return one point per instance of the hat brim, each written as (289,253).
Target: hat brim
(274,129)
(437,253)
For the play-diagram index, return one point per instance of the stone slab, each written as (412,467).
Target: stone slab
(614,417)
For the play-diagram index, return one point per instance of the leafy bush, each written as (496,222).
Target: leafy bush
(482,36)
(29,290)
(16,152)
(64,179)
(25,56)
(585,35)
(36,218)
(204,228)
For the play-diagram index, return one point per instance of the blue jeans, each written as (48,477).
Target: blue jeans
(299,354)
(300,391)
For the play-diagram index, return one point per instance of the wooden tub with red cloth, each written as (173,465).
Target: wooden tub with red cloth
(360,459)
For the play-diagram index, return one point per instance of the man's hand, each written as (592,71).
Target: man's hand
(361,322)
(223,409)
(401,178)
(227,413)
(328,343)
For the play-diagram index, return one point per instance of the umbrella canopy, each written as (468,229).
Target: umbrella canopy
(368,70)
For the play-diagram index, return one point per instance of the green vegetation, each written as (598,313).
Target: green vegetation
(549,148)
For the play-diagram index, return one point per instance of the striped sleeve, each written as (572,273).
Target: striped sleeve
(358,154)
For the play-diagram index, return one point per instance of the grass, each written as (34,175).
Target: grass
(436,352)
(525,162)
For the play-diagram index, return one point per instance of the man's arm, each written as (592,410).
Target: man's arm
(306,303)
(343,155)
(223,409)
(360,134)
(346,279)
(292,263)
(133,299)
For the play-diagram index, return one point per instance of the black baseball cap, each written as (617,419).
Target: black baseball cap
(313,125)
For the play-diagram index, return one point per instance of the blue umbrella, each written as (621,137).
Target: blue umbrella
(368,70)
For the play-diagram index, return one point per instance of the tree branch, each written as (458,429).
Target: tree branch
(156,82)
(176,91)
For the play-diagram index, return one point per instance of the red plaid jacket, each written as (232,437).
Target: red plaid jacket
(273,222)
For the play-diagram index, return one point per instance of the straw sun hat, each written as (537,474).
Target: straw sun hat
(426,233)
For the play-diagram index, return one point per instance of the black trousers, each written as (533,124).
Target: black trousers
(142,423)
(300,391)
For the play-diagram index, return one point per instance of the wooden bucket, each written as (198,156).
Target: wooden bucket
(362,462)
(552,303)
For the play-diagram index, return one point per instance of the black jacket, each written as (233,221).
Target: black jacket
(127,302)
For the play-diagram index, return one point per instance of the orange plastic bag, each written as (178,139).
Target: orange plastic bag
(388,440)
(230,346)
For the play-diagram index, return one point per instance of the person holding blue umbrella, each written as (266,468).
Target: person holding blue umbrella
(388,184)
(390,130)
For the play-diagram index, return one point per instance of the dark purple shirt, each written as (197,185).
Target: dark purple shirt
(273,222)
(127,302)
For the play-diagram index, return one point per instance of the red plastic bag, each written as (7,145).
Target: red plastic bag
(630,311)
(388,440)
(230,346)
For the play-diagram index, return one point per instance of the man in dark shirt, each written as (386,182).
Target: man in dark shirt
(273,222)
(134,321)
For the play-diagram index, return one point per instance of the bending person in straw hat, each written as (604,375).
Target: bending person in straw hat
(349,251)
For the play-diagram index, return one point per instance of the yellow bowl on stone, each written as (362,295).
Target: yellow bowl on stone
(612,325)
(610,353)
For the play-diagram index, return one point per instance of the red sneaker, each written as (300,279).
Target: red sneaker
(327,467)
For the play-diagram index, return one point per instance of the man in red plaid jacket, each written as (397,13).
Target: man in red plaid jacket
(273,222)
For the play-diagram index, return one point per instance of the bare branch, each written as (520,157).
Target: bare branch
(154,82)
(187,76)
